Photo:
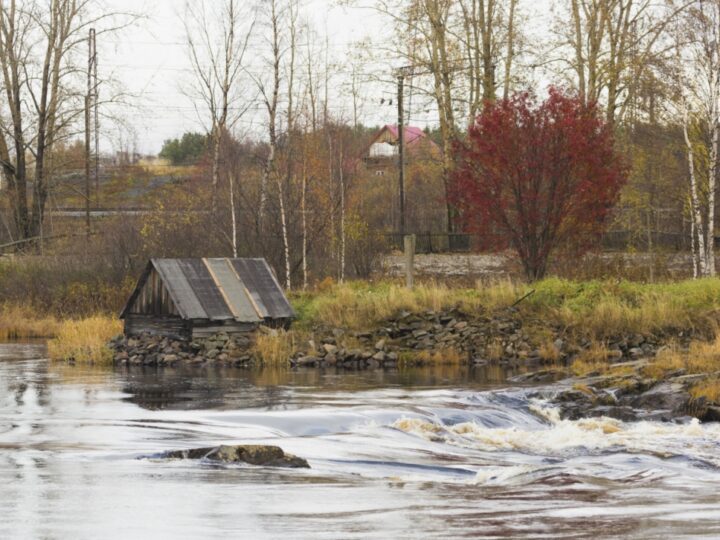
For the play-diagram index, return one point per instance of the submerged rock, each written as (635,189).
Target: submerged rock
(252,454)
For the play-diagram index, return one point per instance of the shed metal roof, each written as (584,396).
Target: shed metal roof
(219,289)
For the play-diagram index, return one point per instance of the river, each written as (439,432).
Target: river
(435,453)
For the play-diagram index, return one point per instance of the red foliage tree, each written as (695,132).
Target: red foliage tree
(538,177)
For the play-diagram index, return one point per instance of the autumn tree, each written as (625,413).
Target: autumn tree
(541,175)
(613,44)
(186,150)
(40,43)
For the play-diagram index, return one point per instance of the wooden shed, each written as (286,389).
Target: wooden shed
(195,298)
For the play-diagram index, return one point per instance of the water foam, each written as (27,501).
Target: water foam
(565,438)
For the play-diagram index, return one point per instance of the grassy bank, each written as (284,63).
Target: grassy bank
(597,309)
(19,322)
(594,310)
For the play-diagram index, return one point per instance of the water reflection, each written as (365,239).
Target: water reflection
(445,452)
(192,387)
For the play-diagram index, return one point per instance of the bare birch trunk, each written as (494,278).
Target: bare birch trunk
(233,215)
(695,200)
(215,168)
(283,222)
(342,216)
(510,54)
(693,249)
(303,210)
(713,172)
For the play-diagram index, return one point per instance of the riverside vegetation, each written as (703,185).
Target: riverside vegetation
(616,337)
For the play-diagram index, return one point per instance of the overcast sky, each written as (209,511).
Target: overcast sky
(150,61)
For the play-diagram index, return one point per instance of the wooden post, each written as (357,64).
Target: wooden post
(409,260)
(401,149)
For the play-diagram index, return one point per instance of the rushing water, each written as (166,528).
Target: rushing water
(418,454)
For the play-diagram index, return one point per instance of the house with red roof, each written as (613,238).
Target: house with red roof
(378,189)
(382,152)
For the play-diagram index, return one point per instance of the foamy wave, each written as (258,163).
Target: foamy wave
(570,437)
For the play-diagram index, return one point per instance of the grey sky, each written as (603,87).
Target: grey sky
(150,60)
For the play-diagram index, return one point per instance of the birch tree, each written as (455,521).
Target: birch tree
(217,37)
(270,92)
(698,65)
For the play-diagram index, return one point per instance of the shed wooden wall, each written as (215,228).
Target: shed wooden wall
(175,327)
(154,299)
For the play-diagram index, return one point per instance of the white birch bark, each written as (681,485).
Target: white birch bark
(233,215)
(713,166)
(695,209)
(342,216)
(693,249)
(303,211)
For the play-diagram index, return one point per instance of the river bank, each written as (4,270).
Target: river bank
(634,337)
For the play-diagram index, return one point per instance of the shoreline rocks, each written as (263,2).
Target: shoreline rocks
(633,397)
(147,349)
(407,339)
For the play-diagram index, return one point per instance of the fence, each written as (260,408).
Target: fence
(427,242)
(434,242)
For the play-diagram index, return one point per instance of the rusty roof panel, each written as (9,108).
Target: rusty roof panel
(205,289)
(233,290)
(179,288)
(264,288)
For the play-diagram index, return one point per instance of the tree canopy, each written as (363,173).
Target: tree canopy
(185,151)
(538,175)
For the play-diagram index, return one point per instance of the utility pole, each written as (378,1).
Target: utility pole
(401,74)
(401,148)
(88,103)
(96,123)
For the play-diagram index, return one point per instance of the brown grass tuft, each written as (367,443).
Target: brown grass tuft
(274,347)
(84,341)
(449,356)
(17,322)
(701,357)
(708,389)
(592,360)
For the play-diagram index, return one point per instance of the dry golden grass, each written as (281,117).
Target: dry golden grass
(498,294)
(449,356)
(594,309)
(708,389)
(359,305)
(549,352)
(701,357)
(17,322)
(592,360)
(612,317)
(275,347)
(584,388)
(85,340)
(495,350)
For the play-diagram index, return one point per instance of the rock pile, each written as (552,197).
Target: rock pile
(413,338)
(449,335)
(634,396)
(148,349)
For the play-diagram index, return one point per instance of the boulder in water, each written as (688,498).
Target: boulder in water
(252,454)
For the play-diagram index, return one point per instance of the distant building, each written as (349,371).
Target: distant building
(378,189)
(382,154)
